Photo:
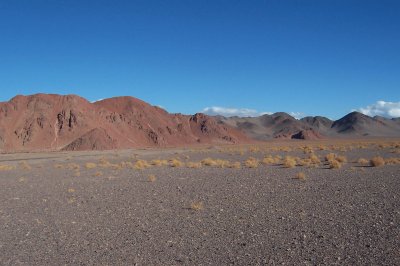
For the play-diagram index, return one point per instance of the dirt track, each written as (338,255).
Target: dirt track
(260,216)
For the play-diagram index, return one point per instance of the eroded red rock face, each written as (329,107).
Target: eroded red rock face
(55,122)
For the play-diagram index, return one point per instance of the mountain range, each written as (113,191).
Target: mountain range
(44,122)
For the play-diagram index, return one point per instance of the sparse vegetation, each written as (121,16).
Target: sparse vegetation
(363,161)
(301,176)
(289,162)
(236,165)
(330,157)
(377,161)
(341,159)
(98,173)
(6,167)
(194,164)
(197,206)
(252,162)
(90,165)
(176,163)
(152,178)
(159,162)
(314,159)
(208,162)
(334,164)
(268,160)
(24,165)
(141,164)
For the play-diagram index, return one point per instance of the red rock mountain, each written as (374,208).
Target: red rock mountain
(57,122)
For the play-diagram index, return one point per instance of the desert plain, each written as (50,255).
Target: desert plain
(325,202)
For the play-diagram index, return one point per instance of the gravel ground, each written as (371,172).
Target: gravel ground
(260,216)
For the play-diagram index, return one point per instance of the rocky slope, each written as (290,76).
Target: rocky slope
(57,122)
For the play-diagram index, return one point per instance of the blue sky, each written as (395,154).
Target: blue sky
(309,57)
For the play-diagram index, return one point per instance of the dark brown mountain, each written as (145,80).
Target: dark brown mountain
(278,125)
(55,122)
(282,125)
(357,124)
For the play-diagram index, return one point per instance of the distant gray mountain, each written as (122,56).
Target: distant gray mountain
(282,125)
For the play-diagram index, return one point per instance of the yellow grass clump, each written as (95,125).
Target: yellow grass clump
(194,164)
(141,164)
(334,164)
(289,162)
(159,162)
(152,178)
(301,176)
(363,161)
(377,161)
(208,162)
(392,161)
(197,206)
(90,165)
(330,157)
(268,160)
(341,158)
(314,159)
(6,167)
(252,162)
(221,163)
(176,163)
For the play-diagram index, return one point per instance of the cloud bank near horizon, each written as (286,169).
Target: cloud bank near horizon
(381,108)
(241,112)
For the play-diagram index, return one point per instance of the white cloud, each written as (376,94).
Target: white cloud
(381,108)
(228,112)
(297,115)
(97,100)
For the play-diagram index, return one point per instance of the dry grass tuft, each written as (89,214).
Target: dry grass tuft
(208,162)
(289,162)
(152,178)
(71,190)
(252,162)
(330,157)
(334,164)
(390,161)
(301,176)
(377,161)
(236,165)
(194,164)
(77,173)
(159,162)
(221,163)
(176,163)
(341,159)
(363,161)
(24,165)
(6,167)
(141,164)
(314,159)
(98,173)
(90,165)
(197,206)
(268,160)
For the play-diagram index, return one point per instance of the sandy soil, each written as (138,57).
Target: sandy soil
(50,215)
